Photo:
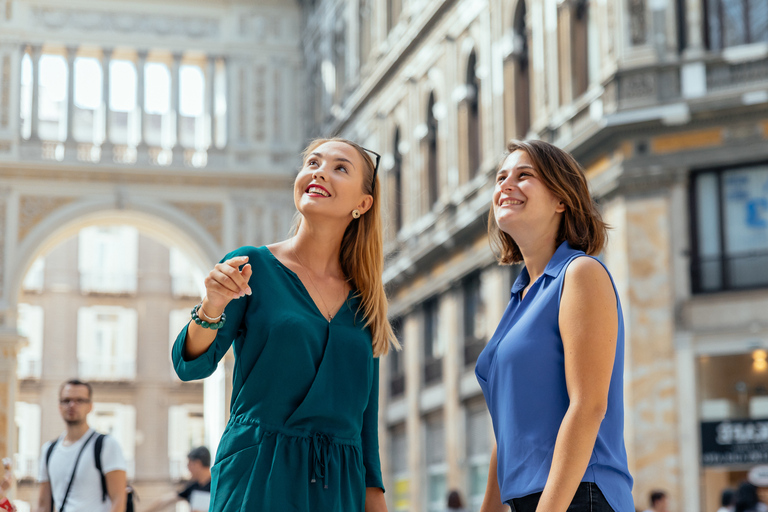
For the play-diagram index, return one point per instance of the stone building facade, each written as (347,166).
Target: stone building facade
(178,122)
(665,104)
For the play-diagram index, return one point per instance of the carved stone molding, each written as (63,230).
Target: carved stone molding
(33,209)
(134,23)
(208,215)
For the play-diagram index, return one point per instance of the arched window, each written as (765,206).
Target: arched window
(397,183)
(433,187)
(517,95)
(473,116)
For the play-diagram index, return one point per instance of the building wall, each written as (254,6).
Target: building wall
(647,100)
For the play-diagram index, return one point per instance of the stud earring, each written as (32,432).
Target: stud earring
(355,214)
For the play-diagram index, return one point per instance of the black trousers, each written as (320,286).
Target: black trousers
(588,498)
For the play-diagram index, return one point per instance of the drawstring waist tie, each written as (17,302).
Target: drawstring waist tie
(319,444)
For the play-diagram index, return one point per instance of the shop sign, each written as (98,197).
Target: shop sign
(724,443)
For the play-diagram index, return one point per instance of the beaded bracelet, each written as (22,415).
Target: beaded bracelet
(207,325)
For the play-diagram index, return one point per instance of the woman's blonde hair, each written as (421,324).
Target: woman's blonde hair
(582,225)
(362,256)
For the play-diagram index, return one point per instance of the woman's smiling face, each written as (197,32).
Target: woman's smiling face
(330,182)
(521,199)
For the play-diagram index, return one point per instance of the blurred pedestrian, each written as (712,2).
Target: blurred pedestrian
(5,484)
(198,492)
(69,476)
(308,318)
(747,499)
(455,504)
(727,500)
(658,501)
(552,374)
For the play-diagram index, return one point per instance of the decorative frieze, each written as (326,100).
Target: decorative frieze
(207,215)
(33,209)
(52,18)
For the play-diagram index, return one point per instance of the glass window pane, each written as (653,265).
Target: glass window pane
(746,220)
(734,31)
(758,21)
(192,91)
(88,82)
(122,86)
(708,231)
(157,88)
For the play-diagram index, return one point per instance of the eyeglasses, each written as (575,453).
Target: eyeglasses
(78,401)
(376,164)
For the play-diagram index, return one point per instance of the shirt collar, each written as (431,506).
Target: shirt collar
(553,268)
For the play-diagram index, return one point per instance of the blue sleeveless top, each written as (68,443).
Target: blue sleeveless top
(522,374)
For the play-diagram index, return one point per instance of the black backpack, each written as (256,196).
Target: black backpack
(130,492)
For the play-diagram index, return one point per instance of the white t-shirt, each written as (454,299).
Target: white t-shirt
(85,494)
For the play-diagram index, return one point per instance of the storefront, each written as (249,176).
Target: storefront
(733,414)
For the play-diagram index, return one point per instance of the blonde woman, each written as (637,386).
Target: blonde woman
(308,318)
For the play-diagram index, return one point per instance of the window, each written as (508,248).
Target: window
(186,430)
(106,343)
(478,452)
(474,318)
(339,62)
(186,279)
(433,343)
(399,464)
(87,100)
(108,258)
(580,47)
(29,362)
(430,144)
(473,117)
(28,440)
(364,29)
(730,236)
(119,421)
(736,22)
(397,182)
(52,103)
(437,469)
(517,100)
(396,363)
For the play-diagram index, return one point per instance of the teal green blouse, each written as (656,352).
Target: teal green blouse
(303,427)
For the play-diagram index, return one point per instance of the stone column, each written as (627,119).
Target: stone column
(455,445)
(9,340)
(70,149)
(142,150)
(178,151)
(35,55)
(413,423)
(106,145)
(210,100)
(694,24)
(639,256)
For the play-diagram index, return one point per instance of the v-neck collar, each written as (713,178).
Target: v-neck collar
(351,296)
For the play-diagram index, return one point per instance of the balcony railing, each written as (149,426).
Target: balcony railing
(29,368)
(739,272)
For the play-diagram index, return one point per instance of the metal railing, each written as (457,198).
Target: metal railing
(721,273)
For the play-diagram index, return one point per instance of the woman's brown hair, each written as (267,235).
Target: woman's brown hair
(582,225)
(362,256)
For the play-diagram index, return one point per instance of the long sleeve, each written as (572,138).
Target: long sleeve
(370,434)
(205,364)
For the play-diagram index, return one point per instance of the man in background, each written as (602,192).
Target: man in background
(198,491)
(68,472)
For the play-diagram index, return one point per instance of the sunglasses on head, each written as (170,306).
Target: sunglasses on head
(376,164)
